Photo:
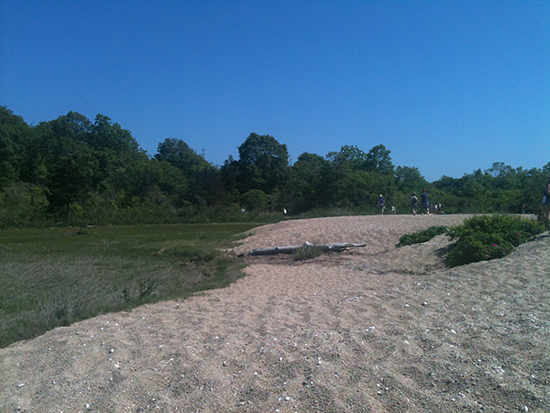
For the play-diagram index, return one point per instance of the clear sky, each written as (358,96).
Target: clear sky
(447,86)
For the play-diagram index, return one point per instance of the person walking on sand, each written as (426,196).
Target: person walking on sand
(414,203)
(425,202)
(381,205)
(546,202)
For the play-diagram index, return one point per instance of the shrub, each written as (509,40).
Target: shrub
(542,217)
(254,199)
(486,237)
(22,205)
(306,253)
(422,236)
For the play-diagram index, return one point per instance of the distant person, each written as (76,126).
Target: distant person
(414,203)
(393,212)
(523,209)
(425,202)
(546,202)
(381,205)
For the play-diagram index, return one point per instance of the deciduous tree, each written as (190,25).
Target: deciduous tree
(263,163)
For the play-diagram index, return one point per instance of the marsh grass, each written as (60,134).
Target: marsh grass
(58,276)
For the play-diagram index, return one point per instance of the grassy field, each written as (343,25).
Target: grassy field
(55,277)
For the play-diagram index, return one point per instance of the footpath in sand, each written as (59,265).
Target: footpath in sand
(374,329)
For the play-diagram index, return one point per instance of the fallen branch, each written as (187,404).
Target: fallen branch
(289,249)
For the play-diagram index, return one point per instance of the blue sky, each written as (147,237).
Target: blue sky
(446,86)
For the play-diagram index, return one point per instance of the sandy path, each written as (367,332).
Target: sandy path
(376,329)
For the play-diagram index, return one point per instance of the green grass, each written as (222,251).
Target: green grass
(55,277)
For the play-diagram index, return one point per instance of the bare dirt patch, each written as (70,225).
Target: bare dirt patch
(374,329)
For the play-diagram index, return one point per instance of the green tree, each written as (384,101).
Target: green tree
(150,181)
(255,199)
(114,146)
(339,182)
(71,179)
(177,153)
(409,179)
(305,187)
(358,178)
(356,188)
(530,183)
(378,159)
(362,188)
(14,136)
(209,187)
(22,205)
(499,169)
(350,157)
(229,174)
(68,165)
(263,164)
(106,135)
(205,184)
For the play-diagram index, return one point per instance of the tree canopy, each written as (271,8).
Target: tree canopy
(263,163)
(71,168)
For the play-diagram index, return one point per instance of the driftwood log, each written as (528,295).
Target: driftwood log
(289,249)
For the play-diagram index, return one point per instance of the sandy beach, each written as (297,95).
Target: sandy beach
(372,329)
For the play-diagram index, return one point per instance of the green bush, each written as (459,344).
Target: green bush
(422,236)
(542,217)
(486,237)
(254,199)
(306,253)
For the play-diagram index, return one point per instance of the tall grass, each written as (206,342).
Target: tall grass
(57,276)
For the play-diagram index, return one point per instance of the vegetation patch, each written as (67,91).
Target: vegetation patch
(57,276)
(307,252)
(422,236)
(486,237)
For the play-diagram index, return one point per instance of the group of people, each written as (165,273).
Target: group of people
(424,201)
(438,208)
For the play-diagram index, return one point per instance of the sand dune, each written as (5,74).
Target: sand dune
(374,329)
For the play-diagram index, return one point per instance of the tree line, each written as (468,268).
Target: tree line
(71,170)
